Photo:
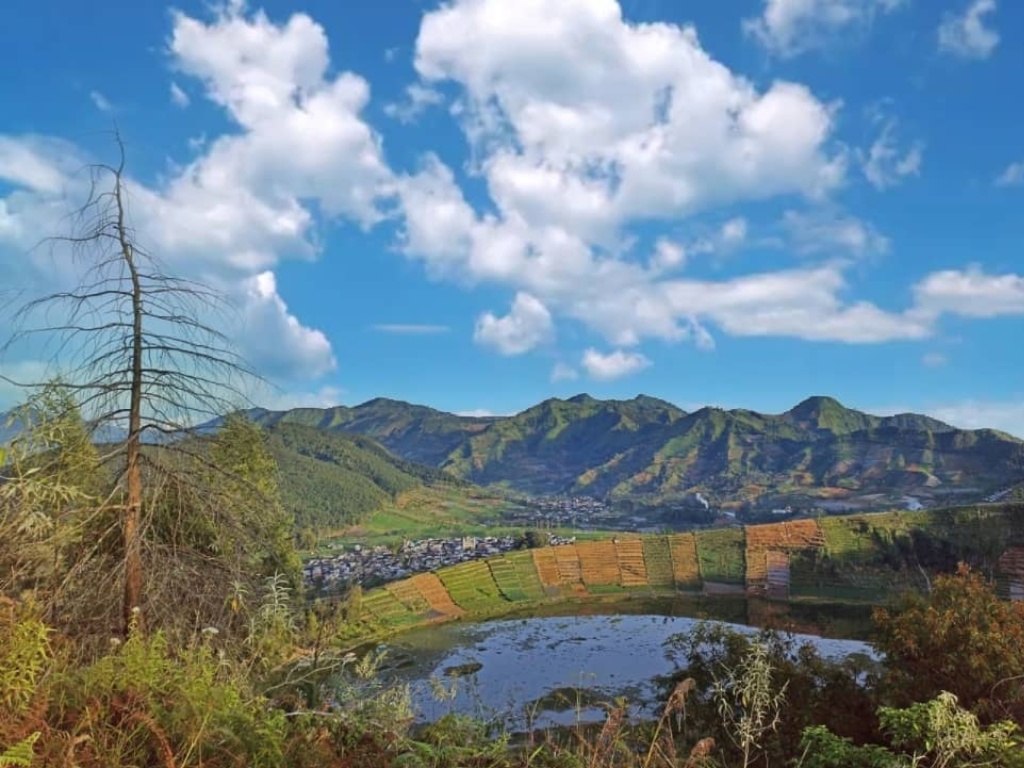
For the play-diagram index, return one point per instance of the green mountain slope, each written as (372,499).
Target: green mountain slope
(414,432)
(648,447)
(331,479)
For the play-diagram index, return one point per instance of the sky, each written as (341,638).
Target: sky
(479,204)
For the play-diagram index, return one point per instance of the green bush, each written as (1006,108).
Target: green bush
(144,705)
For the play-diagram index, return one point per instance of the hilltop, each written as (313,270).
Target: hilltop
(649,448)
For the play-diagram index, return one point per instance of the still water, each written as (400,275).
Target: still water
(562,661)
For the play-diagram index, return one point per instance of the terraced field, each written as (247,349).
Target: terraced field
(410,596)
(386,608)
(837,557)
(547,569)
(658,562)
(529,579)
(599,564)
(685,565)
(505,575)
(568,561)
(472,586)
(630,553)
(768,548)
(720,554)
(436,595)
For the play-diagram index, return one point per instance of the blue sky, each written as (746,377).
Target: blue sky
(478,204)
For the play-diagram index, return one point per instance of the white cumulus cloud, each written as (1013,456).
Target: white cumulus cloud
(527,325)
(250,196)
(970,293)
(598,125)
(885,163)
(832,233)
(613,365)
(274,339)
(582,120)
(416,101)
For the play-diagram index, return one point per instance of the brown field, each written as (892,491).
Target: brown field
(685,565)
(630,553)
(434,592)
(547,567)
(568,561)
(599,563)
(767,547)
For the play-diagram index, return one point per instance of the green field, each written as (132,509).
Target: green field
(658,560)
(721,555)
(505,575)
(526,572)
(438,513)
(471,586)
(428,512)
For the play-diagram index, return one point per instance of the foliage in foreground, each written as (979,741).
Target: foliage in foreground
(741,700)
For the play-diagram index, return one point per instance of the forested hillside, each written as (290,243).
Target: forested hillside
(330,480)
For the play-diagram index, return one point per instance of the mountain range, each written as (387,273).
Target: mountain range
(650,448)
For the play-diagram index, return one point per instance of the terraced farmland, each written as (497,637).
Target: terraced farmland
(768,548)
(505,575)
(547,569)
(410,596)
(568,561)
(658,562)
(599,564)
(837,557)
(386,608)
(685,565)
(630,553)
(471,586)
(436,595)
(529,579)
(720,554)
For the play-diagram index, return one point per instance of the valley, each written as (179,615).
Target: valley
(818,457)
(367,515)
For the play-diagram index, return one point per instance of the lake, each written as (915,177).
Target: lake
(562,661)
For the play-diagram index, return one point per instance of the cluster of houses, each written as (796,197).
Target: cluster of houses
(370,566)
(563,512)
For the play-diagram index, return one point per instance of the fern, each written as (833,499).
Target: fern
(24,657)
(20,754)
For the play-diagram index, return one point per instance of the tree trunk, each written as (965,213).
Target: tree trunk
(133,580)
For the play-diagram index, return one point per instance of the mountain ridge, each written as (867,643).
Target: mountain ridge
(649,447)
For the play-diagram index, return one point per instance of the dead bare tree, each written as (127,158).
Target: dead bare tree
(138,349)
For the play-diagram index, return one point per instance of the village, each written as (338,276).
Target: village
(545,512)
(371,566)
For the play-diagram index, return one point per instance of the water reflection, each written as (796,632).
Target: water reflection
(564,660)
